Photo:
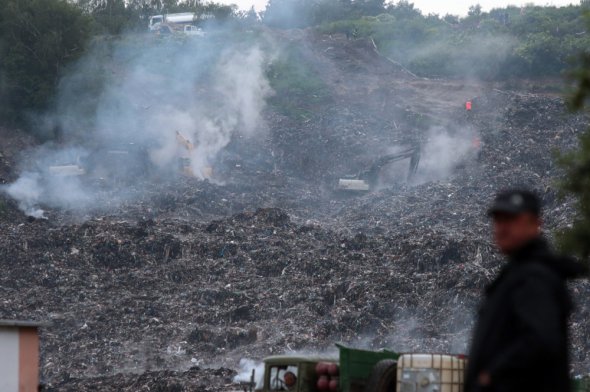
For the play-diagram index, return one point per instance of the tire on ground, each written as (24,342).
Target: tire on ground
(383,377)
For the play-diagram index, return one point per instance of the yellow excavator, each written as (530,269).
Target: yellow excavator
(368,179)
(127,160)
(185,158)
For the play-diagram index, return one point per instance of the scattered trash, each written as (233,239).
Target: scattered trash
(192,273)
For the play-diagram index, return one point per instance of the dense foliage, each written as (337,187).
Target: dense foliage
(577,164)
(118,16)
(298,89)
(37,38)
(306,13)
(505,43)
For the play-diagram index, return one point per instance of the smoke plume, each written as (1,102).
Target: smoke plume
(444,151)
(245,372)
(129,109)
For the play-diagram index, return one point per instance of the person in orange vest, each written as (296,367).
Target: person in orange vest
(468,106)
(476,142)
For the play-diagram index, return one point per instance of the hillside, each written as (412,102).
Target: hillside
(200,274)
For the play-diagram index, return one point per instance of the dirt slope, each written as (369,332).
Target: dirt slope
(197,274)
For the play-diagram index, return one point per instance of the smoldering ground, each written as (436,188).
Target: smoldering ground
(442,151)
(133,97)
(246,366)
(404,266)
(121,109)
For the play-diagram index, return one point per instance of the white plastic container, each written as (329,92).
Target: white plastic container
(430,373)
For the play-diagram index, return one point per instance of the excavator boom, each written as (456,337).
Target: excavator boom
(369,178)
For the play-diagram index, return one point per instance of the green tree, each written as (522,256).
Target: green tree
(543,53)
(404,10)
(305,13)
(113,16)
(39,38)
(576,239)
(474,10)
(368,7)
(288,13)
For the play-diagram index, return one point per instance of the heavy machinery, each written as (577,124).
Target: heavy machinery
(368,179)
(179,22)
(188,148)
(355,370)
(184,160)
(193,31)
(179,19)
(127,161)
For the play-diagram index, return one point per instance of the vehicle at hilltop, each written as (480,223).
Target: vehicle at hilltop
(184,22)
(184,18)
(193,31)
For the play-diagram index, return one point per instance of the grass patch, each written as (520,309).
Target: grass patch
(298,90)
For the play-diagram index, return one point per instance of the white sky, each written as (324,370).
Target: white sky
(457,7)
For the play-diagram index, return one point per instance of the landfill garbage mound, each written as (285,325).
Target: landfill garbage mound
(191,275)
(195,379)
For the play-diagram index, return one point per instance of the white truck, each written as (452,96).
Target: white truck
(184,22)
(175,21)
(193,31)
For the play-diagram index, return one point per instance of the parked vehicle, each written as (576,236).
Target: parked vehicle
(365,371)
(193,31)
(354,370)
(174,21)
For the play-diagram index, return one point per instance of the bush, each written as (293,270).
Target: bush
(576,182)
(502,44)
(39,37)
(297,88)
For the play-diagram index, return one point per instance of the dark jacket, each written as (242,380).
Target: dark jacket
(521,336)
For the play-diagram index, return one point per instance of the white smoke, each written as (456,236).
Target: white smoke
(40,183)
(245,372)
(140,93)
(27,191)
(444,151)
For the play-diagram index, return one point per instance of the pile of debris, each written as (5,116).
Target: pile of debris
(129,297)
(167,294)
(195,379)
(193,275)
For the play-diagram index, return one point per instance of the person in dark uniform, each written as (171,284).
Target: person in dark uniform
(520,342)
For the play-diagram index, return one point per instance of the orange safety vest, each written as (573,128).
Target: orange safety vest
(468,105)
(476,143)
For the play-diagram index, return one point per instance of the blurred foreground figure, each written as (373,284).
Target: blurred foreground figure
(521,339)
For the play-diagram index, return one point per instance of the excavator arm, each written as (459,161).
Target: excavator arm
(371,175)
(369,178)
(185,162)
(183,141)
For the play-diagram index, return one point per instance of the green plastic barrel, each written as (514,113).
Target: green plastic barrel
(356,366)
(581,385)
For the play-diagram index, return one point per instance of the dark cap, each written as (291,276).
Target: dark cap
(515,202)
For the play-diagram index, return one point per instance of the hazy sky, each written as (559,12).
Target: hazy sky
(459,7)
